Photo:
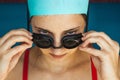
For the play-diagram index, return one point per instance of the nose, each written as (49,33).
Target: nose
(57,42)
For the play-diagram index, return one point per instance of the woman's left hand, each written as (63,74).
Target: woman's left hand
(106,59)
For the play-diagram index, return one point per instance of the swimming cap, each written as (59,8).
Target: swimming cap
(53,7)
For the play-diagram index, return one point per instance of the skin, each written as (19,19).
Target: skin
(75,65)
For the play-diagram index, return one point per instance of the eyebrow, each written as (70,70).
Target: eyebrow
(73,29)
(42,29)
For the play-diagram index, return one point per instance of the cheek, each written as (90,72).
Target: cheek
(45,51)
(71,51)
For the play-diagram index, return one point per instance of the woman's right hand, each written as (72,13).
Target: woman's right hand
(10,55)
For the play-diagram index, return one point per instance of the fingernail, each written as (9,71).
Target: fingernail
(30,37)
(82,38)
(83,34)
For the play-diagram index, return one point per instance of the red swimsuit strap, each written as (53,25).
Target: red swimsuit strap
(94,71)
(25,65)
(26,61)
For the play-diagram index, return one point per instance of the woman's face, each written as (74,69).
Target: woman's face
(58,26)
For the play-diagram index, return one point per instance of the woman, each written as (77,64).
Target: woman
(53,58)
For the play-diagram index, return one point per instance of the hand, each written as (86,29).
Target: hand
(105,59)
(9,55)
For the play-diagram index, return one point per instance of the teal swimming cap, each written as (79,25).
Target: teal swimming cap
(53,7)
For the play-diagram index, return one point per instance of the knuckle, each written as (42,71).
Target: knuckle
(25,39)
(116,43)
(91,32)
(19,39)
(15,38)
(99,38)
(22,29)
(91,39)
(11,38)
(88,40)
(22,38)
(102,33)
(117,47)
(12,31)
(18,31)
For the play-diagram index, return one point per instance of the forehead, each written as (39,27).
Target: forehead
(58,22)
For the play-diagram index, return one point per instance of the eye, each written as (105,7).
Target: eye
(71,33)
(43,32)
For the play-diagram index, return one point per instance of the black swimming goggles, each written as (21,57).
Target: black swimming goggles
(46,41)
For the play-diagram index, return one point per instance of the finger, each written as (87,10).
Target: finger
(101,34)
(14,39)
(13,53)
(99,41)
(14,60)
(25,31)
(84,34)
(116,46)
(92,51)
(15,32)
(112,43)
(18,50)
